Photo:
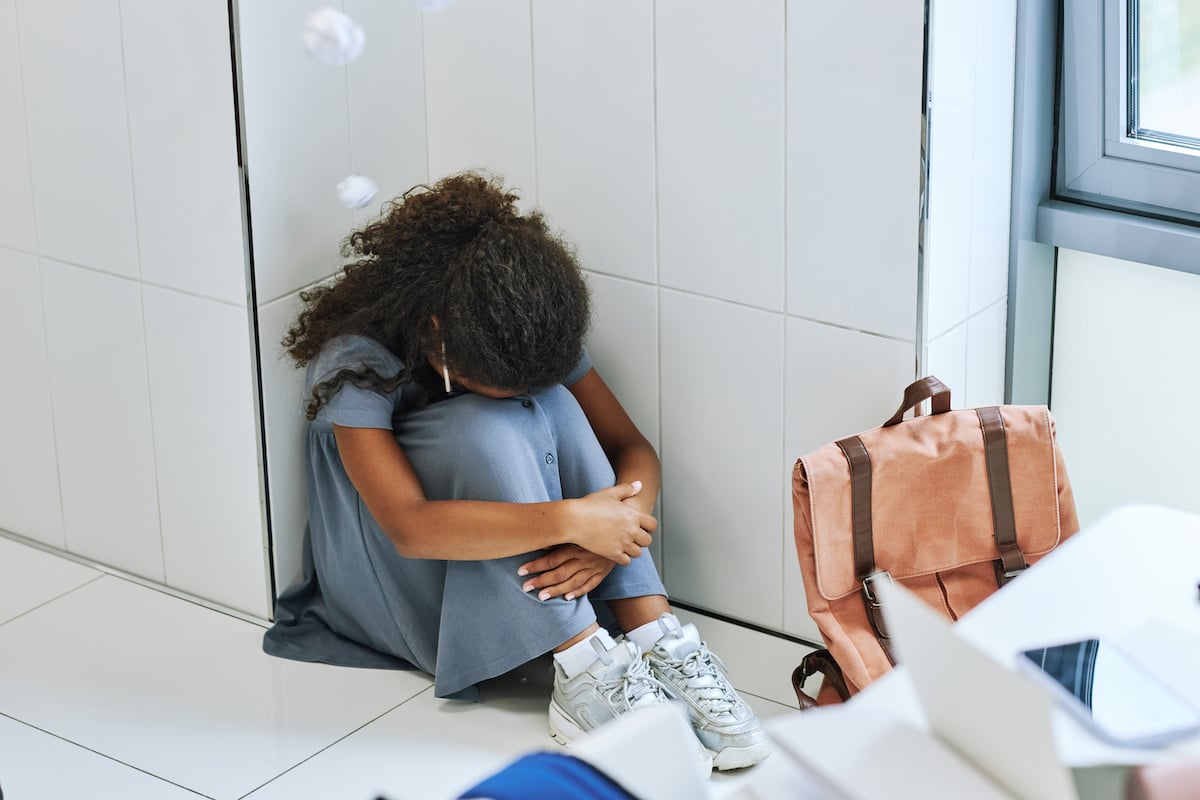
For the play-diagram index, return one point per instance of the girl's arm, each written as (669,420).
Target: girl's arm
(632,456)
(567,570)
(475,530)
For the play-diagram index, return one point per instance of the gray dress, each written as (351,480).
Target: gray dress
(360,603)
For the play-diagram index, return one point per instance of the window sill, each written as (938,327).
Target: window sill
(1118,235)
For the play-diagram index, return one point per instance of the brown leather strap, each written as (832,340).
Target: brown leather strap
(864,545)
(920,391)
(818,661)
(860,504)
(1004,525)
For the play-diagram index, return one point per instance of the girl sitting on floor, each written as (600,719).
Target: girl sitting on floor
(476,493)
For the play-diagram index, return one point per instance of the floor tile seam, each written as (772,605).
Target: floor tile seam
(56,598)
(745,693)
(249,795)
(103,755)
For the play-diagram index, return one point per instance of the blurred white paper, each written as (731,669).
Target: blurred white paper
(996,719)
(868,753)
(650,751)
(1171,653)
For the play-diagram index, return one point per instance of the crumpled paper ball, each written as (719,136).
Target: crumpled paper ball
(332,37)
(432,5)
(356,191)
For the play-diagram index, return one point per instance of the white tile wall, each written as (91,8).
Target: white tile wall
(29,496)
(966,268)
(282,385)
(722,437)
(996,55)
(479,76)
(953,162)
(119,178)
(948,253)
(297,140)
(593,67)
(387,100)
(720,102)
(1124,382)
(678,144)
(839,382)
(206,449)
(853,163)
(179,81)
(985,363)
(78,135)
(609,114)
(623,345)
(105,443)
(16,192)
(947,361)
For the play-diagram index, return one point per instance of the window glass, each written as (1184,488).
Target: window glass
(1164,71)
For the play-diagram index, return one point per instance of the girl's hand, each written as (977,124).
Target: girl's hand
(566,570)
(603,524)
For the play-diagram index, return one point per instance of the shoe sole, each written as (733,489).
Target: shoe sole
(740,757)
(563,729)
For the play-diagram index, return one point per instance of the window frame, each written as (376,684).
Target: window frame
(1043,219)
(1099,164)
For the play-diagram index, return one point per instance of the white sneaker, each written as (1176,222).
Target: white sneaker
(688,671)
(617,682)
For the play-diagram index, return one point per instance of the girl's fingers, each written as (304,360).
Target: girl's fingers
(588,585)
(551,560)
(551,578)
(572,587)
(622,491)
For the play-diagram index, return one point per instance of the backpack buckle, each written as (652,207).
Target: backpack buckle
(870,579)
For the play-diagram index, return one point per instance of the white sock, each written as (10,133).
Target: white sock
(646,636)
(581,655)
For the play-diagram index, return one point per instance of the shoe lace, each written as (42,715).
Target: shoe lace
(636,686)
(703,675)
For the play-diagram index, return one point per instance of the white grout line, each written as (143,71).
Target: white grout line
(103,755)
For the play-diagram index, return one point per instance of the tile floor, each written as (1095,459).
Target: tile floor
(113,689)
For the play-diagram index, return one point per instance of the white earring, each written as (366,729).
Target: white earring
(445,371)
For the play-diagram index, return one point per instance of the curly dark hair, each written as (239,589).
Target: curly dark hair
(511,304)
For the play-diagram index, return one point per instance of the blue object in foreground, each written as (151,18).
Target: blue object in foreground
(548,776)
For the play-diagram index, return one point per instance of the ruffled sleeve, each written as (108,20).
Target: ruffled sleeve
(355,406)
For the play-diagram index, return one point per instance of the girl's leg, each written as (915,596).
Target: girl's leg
(583,635)
(634,594)
(634,612)
(725,725)
(508,450)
